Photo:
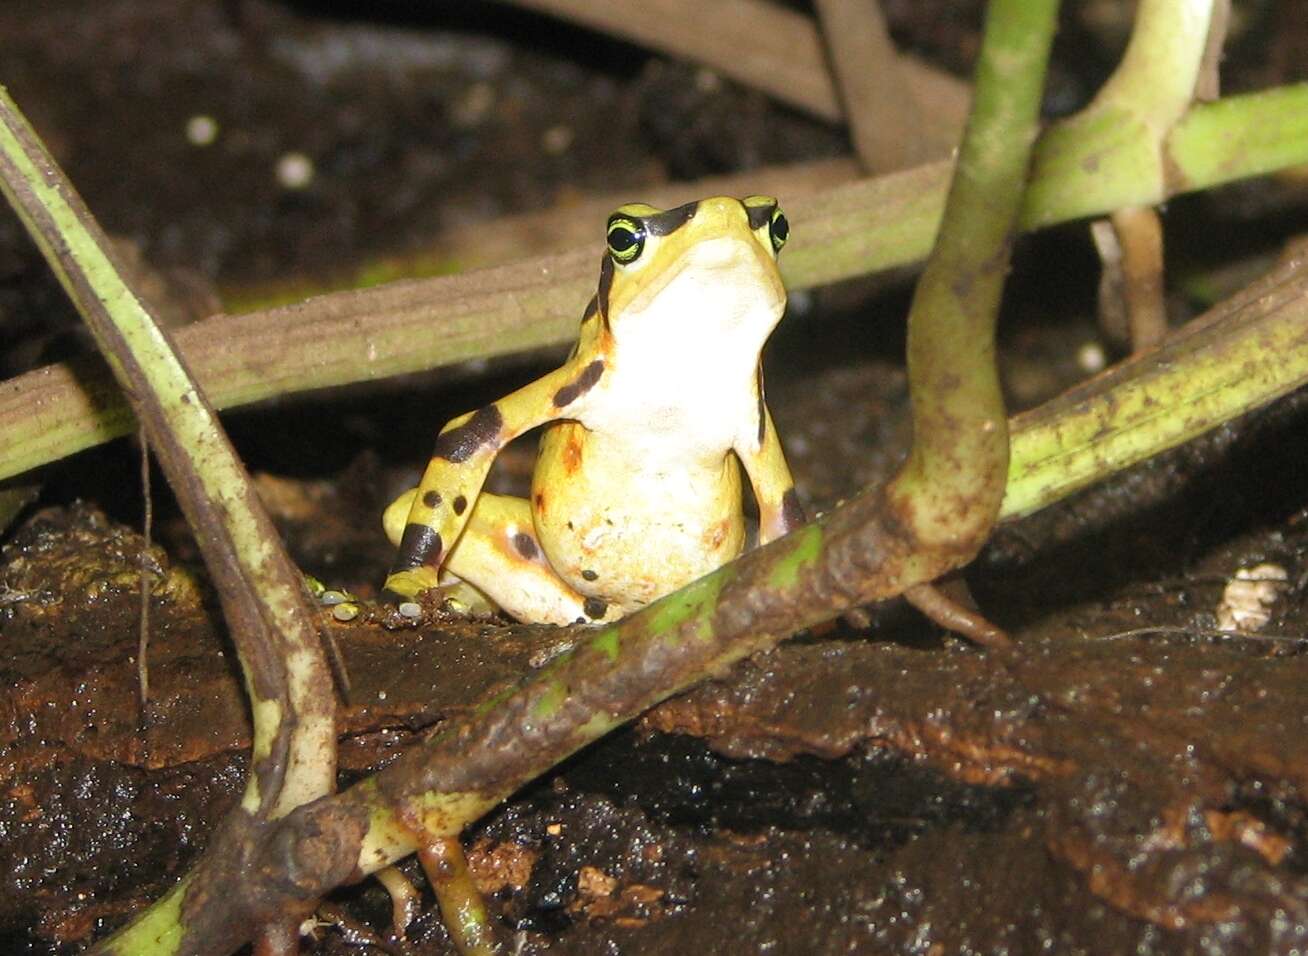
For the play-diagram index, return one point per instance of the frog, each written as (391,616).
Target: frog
(637,487)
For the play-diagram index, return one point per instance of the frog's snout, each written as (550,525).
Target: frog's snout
(723,252)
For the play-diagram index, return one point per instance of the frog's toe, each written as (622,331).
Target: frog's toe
(404,586)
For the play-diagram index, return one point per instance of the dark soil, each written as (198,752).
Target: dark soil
(1131,781)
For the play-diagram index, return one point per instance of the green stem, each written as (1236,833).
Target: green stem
(462,907)
(953,481)
(1122,136)
(1242,354)
(847,231)
(286,675)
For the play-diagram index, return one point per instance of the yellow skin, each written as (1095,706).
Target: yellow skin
(636,490)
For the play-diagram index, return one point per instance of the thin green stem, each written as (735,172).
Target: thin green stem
(1241,355)
(950,488)
(286,675)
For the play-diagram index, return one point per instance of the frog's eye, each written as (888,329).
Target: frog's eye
(778,230)
(626,239)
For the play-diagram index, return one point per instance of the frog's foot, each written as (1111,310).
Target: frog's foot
(951,612)
(417,563)
(461,596)
(406,585)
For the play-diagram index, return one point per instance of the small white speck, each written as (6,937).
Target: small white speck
(474,105)
(294,170)
(381,695)
(556,140)
(1091,358)
(706,81)
(201,130)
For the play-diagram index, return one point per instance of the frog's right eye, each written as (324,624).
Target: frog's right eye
(626,239)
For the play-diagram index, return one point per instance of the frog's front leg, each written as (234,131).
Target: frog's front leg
(779,510)
(442,503)
(500,555)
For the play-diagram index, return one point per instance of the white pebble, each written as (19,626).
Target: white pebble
(201,130)
(294,170)
(1249,596)
(1091,358)
(556,140)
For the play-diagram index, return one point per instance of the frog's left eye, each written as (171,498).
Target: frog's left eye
(778,230)
(626,239)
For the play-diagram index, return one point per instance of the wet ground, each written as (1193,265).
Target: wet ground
(1131,781)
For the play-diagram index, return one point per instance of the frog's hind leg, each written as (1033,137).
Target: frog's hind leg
(499,555)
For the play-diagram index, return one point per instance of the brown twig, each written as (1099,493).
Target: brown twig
(881,106)
(147,578)
(1132,305)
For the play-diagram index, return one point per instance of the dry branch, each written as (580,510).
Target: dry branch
(882,108)
(760,44)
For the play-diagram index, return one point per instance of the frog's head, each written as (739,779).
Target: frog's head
(707,270)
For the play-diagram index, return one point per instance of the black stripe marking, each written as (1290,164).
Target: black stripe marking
(419,545)
(762,409)
(602,293)
(760,216)
(582,384)
(663,223)
(792,512)
(459,444)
